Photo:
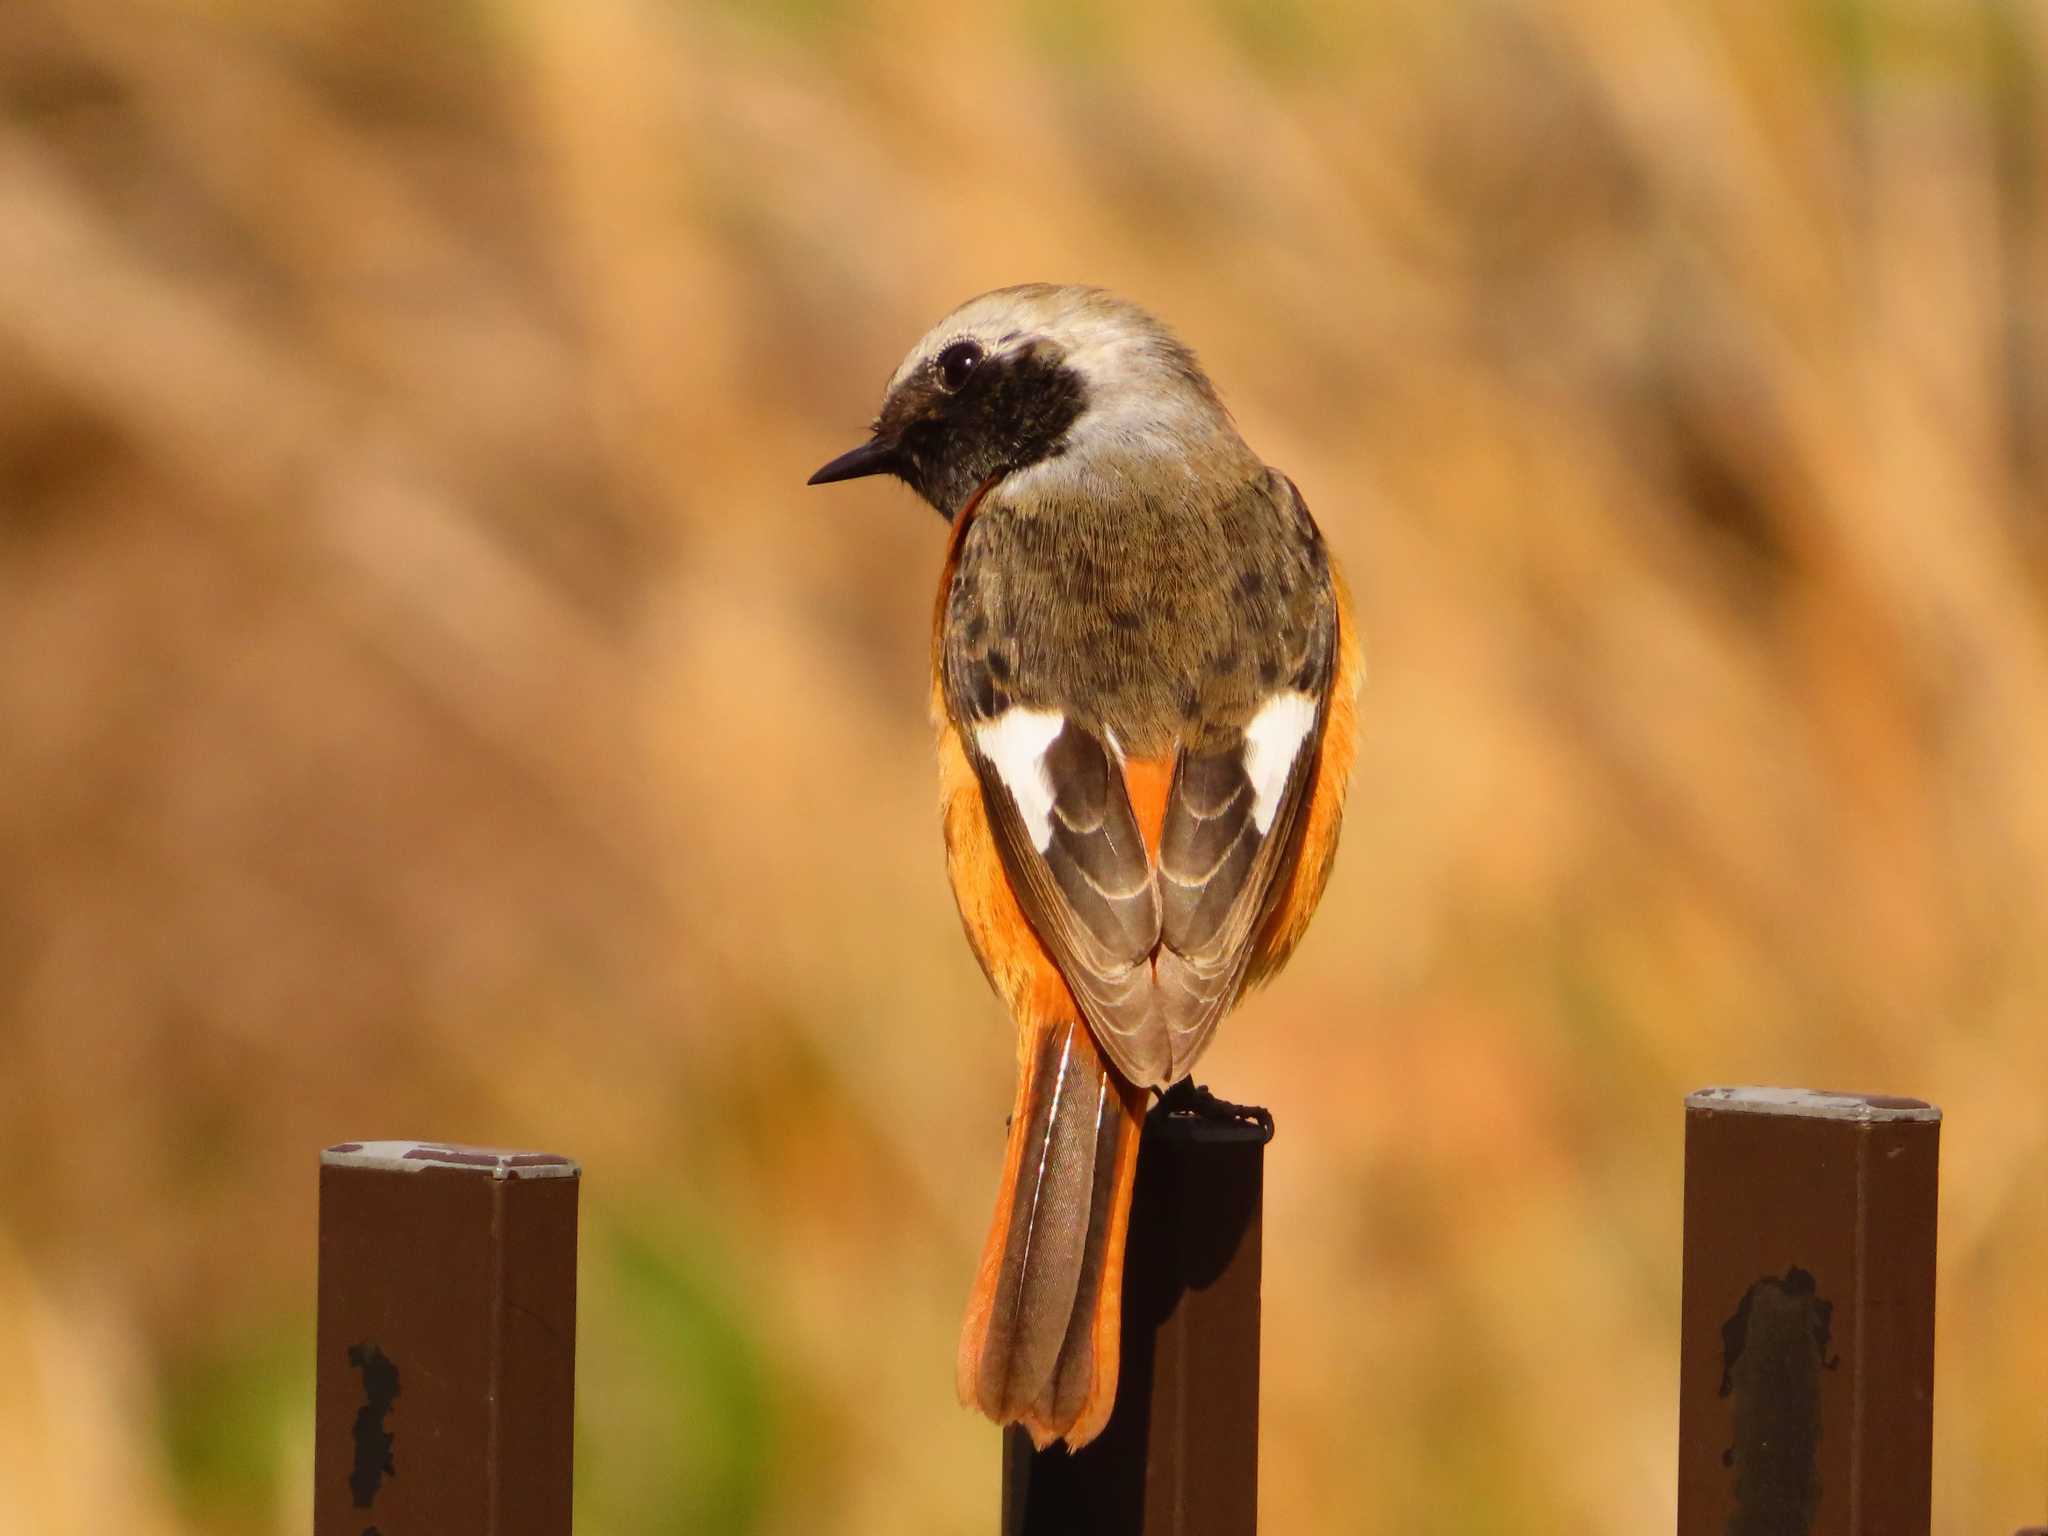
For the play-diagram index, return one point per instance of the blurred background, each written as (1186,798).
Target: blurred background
(431,704)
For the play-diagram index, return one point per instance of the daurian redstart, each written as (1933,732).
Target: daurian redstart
(1144,673)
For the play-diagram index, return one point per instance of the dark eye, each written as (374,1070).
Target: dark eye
(956,362)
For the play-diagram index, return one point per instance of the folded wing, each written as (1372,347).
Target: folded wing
(1152,925)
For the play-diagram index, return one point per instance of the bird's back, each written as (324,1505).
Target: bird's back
(1162,617)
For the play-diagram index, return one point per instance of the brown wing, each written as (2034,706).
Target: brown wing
(1153,940)
(1219,868)
(1298,890)
(1072,849)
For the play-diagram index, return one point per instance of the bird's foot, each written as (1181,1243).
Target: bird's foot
(1191,1100)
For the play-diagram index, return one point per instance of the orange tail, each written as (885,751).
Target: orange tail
(1043,1324)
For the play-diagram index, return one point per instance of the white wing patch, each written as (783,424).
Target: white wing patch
(1015,741)
(1271,743)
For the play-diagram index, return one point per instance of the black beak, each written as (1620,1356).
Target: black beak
(875,457)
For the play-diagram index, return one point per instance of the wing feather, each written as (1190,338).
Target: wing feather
(1155,952)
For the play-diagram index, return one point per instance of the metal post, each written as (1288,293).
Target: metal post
(1180,1456)
(1806,1392)
(445,1382)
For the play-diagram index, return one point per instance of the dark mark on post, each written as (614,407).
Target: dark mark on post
(1772,1353)
(373,1440)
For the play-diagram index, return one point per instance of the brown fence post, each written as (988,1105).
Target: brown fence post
(1180,1456)
(444,1392)
(1806,1392)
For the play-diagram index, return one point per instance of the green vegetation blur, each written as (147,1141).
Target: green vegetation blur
(432,705)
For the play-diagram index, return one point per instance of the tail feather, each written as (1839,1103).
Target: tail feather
(1041,1339)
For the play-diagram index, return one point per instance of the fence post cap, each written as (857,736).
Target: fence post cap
(1812,1103)
(416,1156)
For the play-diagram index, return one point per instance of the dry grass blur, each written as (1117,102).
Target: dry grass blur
(431,704)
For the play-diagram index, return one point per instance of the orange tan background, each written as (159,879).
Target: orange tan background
(431,704)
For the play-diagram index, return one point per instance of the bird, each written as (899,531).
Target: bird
(1144,684)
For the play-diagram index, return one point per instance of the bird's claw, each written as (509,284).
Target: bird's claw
(1191,1100)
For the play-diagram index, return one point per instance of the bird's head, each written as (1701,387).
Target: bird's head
(1038,379)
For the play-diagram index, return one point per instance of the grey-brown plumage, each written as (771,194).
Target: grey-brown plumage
(1164,612)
